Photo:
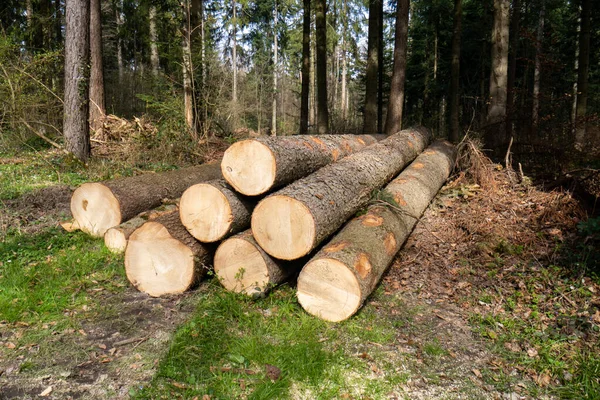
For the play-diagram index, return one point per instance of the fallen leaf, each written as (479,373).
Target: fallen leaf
(532,352)
(206,397)
(543,380)
(46,391)
(477,373)
(272,372)
(102,346)
(596,317)
(9,345)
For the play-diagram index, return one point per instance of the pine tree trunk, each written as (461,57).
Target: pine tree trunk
(97,102)
(275,72)
(255,166)
(321,33)
(344,99)
(305,69)
(337,280)
(290,223)
(380,46)
(154,60)
(393,122)
(583,73)
(119,21)
(455,74)
(515,20)
(370,114)
(187,70)
(234,55)
(162,258)
(75,125)
(535,107)
(99,206)
(243,267)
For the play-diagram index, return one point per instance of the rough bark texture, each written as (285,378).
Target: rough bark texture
(370,113)
(537,72)
(499,70)
(321,35)
(305,68)
(154,60)
(135,194)
(294,157)
(75,125)
(515,19)
(393,121)
(115,238)
(455,74)
(583,73)
(196,218)
(146,265)
(242,266)
(97,103)
(367,245)
(332,195)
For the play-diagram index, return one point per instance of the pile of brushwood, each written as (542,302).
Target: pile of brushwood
(331,211)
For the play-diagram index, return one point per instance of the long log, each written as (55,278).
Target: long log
(256,166)
(212,211)
(243,267)
(99,206)
(116,237)
(163,258)
(336,281)
(293,221)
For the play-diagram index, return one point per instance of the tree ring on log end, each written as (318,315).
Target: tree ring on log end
(95,208)
(328,289)
(240,267)
(249,166)
(115,240)
(156,263)
(205,212)
(284,227)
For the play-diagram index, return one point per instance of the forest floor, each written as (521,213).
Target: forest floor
(496,295)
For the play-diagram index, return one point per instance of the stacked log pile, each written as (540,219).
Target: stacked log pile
(323,182)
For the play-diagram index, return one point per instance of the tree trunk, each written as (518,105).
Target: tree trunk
(321,33)
(154,60)
(512,68)
(115,238)
(234,54)
(455,74)
(97,103)
(338,279)
(290,223)
(535,107)
(212,211)
(312,118)
(255,166)
(380,46)
(393,121)
(275,71)
(370,114)
(75,125)
(305,69)
(99,206)
(163,258)
(583,72)
(344,99)
(119,21)
(499,73)
(187,69)
(243,267)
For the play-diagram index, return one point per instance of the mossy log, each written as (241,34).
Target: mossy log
(336,281)
(99,206)
(163,258)
(212,211)
(290,223)
(116,237)
(256,166)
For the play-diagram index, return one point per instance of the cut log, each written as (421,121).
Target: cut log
(212,211)
(163,258)
(243,267)
(116,237)
(99,206)
(293,221)
(255,166)
(337,280)
(70,226)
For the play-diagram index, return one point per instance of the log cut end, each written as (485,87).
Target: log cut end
(95,208)
(205,212)
(115,240)
(249,166)
(240,267)
(158,264)
(283,227)
(328,290)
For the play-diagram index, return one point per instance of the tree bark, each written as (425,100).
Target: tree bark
(162,258)
(583,73)
(393,121)
(455,74)
(187,70)
(213,210)
(370,114)
(321,33)
(535,107)
(255,166)
(100,206)
(119,21)
(115,238)
(380,46)
(305,69)
(344,98)
(275,72)
(154,60)
(75,125)
(515,20)
(243,267)
(338,279)
(97,102)
(290,223)
(234,54)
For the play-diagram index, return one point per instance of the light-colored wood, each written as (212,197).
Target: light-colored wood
(70,226)
(205,212)
(115,240)
(249,166)
(95,208)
